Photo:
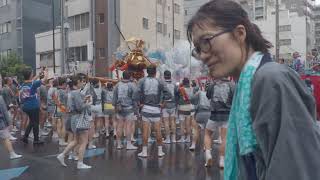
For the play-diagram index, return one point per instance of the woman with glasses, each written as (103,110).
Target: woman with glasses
(272,132)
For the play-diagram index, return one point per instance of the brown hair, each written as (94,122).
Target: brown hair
(228,15)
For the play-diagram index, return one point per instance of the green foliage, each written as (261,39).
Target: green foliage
(12,65)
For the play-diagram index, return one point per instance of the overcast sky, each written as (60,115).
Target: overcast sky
(317,1)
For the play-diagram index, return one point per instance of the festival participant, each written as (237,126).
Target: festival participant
(202,114)
(192,123)
(124,103)
(20,113)
(183,94)
(30,103)
(60,114)
(169,110)
(149,93)
(73,154)
(9,98)
(43,94)
(96,107)
(88,91)
(220,92)
(7,93)
(108,108)
(78,105)
(15,89)
(136,110)
(51,106)
(4,129)
(271,105)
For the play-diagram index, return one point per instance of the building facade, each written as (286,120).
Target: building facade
(77,36)
(160,25)
(19,22)
(296,24)
(86,21)
(190,9)
(317,26)
(158,22)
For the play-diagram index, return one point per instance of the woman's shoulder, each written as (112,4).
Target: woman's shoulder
(274,72)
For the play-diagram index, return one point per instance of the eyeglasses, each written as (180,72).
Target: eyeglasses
(204,44)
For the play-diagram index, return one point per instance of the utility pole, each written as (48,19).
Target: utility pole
(156,24)
(91,44)
(53,39)
(173,23)
(305,62)
(63,54)
(277,31)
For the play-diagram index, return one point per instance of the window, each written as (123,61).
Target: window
(77,53)
(285,42)
(71,23)
(176,8)
(185,12)
(9,28)
(145,23)
(4,2)
(19,37)
(259,11)
(159,1)
(18,23)
(168,8)
(84,53)
(285,28)
(318,41)
(46,59)
(5,28)
(317,32)
(165,29)
(84,20)
(176,34)
(71,54)
(259,3)
(79,22)
(101,18)
(102,53)
(159,27)
(5,53)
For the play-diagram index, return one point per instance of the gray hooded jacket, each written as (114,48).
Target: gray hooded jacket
(123,97)
(151,91)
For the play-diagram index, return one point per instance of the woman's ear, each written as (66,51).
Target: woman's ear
(240,34)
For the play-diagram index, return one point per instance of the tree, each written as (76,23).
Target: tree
(12,65)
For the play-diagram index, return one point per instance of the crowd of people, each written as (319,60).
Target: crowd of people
(270,114)
(74,110)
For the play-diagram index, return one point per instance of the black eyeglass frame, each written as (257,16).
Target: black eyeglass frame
(196,52)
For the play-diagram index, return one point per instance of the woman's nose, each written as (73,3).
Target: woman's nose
(204,57)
